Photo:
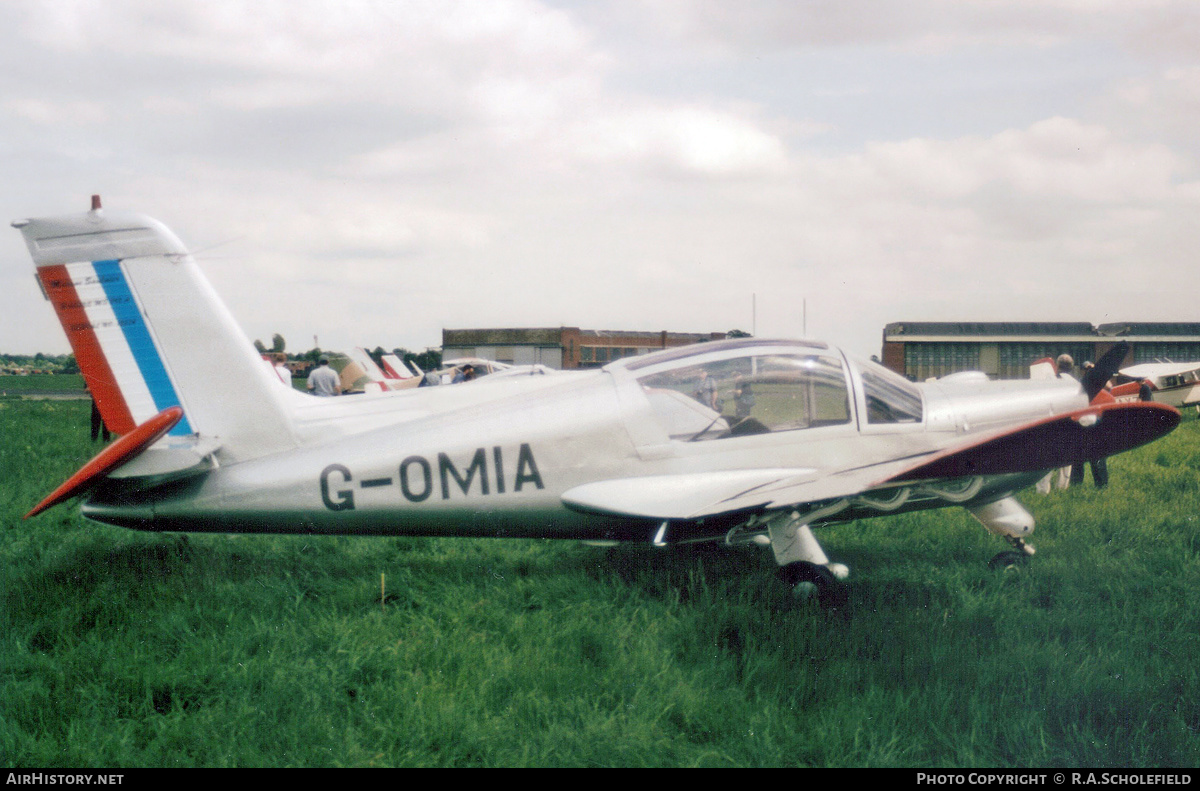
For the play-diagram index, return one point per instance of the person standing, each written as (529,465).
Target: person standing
(743,396)
(1099,466)
(324,381)
(706,391)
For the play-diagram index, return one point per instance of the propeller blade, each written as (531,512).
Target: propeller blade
(1095,378)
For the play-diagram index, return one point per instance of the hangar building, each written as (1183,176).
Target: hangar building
(1004,350)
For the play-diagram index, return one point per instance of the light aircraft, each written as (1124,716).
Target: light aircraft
(1177,384)
(743,440)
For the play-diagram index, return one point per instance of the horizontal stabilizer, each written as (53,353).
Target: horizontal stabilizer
(116,454)
(1083,435)
(177,457)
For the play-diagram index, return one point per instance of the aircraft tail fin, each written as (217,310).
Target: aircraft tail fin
(361,356)
(395,368)
(149,333)
(1043,369)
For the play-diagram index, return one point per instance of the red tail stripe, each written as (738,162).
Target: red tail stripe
(101,382)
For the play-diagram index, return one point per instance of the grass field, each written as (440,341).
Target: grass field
(123,649)
(64,383)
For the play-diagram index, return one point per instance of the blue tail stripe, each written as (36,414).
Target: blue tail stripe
(137,335)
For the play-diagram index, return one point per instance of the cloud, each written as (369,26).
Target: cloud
(1056,158)
(934,25)
(372,172)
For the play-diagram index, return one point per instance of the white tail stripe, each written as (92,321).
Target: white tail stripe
(107,330)
(124,338)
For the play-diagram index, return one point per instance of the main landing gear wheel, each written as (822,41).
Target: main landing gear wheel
(1007,560)
(809,579)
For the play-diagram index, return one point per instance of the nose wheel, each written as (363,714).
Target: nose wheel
(1012,558)
(1007,518)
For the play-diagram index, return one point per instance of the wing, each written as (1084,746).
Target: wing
(1089,433)
(1083,435)
(691,496)
(685,496)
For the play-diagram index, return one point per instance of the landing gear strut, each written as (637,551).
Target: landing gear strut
(803,565)
(1006,517)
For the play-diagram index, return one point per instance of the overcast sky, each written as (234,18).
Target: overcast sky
(371,172)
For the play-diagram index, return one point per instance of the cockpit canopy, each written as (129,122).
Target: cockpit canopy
(748,386)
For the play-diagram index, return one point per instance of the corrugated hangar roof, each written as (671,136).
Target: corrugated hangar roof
(964,330)
(989,328)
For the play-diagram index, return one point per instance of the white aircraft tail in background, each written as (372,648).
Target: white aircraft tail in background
(361,356)
(363,375)
(395,368)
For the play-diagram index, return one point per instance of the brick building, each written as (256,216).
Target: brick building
(561,347)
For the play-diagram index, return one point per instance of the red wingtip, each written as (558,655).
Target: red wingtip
(112,457)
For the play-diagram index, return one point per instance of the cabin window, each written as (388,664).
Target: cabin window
(749,395)
(890,398)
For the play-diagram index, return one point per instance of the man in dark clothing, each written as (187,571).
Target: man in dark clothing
(1099,466)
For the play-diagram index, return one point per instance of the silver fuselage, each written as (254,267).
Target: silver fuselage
(494,457)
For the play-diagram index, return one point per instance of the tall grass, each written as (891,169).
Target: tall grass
(130,649)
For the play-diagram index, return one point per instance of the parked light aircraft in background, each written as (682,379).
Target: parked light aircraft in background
(362,375)
(1177,384)
(1174,384)
(742,440)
